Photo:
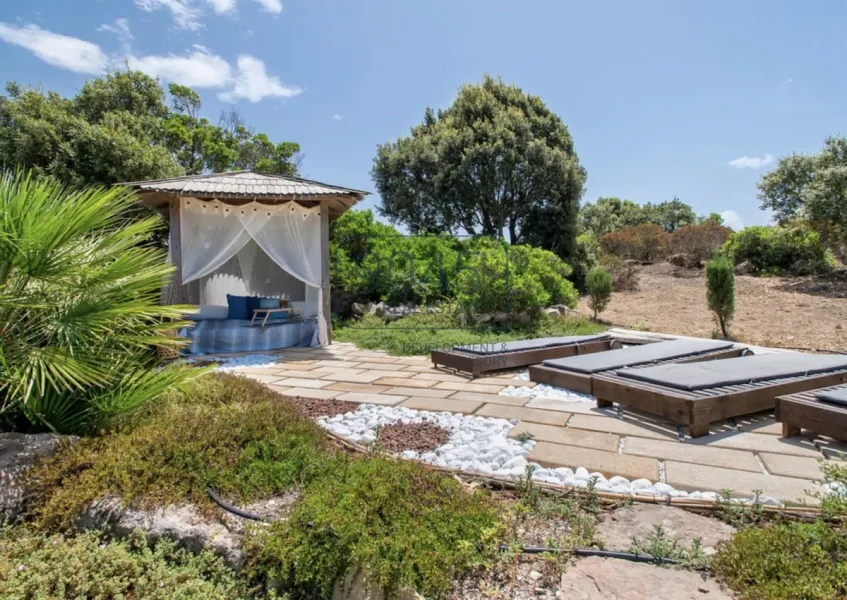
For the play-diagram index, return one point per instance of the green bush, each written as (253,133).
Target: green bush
(228,432)
(787,561)
(89,566)
(775,250)
(599,285)
(79,307)
(720,292)
(402,524)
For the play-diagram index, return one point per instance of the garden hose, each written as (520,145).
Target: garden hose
(233,509)
(631,556)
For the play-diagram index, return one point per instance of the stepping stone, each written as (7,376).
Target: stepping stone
(565,435)
(617,528)
(596,578)
(492,398)
(607,463)
(532,415)
(364,398)
(442,404)
(701,455)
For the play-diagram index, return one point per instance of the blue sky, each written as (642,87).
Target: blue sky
(663,99)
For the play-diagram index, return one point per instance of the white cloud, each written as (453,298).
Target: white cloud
(253,83)
(121,30)
(752,162)
(185,14)
(337,117)
(58,50)
(271,6)
(200,68)
(732,220)
(222,6)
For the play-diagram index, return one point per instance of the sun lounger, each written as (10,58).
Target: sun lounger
(823,411)
(496,356)
(696,394)
(577,372)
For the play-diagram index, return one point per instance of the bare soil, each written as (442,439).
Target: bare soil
(420,437)
(790,312)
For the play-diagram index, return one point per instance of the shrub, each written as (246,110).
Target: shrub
(79,306)
(699,242)
(599,285)
(646,242)
(775,250)
(90,566)
(228,432)
(720,292)
(625,277)
(786,561)
(404,525)
(585,258)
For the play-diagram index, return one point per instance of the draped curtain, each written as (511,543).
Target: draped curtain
(213,232)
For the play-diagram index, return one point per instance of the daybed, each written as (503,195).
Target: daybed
(496,356)
(822,411)
(697,394)
(577,372)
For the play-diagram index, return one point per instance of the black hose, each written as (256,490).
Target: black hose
(233,509)
(631,556)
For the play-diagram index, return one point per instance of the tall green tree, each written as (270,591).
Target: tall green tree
(606,215)
(811,187)
(671,214)
(497,160)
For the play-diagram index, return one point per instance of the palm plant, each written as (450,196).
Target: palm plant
(79,305)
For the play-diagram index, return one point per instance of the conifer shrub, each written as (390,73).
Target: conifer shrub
(720,292)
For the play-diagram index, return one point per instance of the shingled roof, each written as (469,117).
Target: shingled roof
(251,185)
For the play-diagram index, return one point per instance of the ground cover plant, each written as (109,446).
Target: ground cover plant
(422,333)
(34,565)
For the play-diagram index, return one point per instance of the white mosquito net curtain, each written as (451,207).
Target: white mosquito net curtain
(213,232)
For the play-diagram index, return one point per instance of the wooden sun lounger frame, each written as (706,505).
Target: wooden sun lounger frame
(584,382)
(803,411)
(476,364)
(698,408)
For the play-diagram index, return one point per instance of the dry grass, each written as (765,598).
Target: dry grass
(804,312)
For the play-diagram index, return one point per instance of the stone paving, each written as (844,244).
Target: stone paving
(744,455)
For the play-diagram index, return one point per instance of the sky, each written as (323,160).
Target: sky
(662,98)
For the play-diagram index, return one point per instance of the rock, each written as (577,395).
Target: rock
(551,311)
(639,520)
(358,309)
(376,309)
(680,260)
(355,586)
(641,484)
(563,309)
(745,268)
(19,452)
(484,318)
(604,578)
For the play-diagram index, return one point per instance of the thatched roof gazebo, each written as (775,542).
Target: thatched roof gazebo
(249,233)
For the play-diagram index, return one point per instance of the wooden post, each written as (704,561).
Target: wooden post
(326,303)
(175,292)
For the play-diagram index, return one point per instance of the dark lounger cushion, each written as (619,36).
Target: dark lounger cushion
(636,355)
(484,349)
(238,309)
(733,371)
(836,396)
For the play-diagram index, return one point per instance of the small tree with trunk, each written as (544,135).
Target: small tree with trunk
(599,285)
(720,291)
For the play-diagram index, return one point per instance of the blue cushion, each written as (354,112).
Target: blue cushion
(252,304)
(268,302)
(238,307)
(280,316)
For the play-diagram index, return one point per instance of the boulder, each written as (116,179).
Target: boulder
(604,578)
(562,309)
(484,318)
(745,268)
(358,309)
(639,520)
(376,309)
(355,586)
(19,452)
(680,260)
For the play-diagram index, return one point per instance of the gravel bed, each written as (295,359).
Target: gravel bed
(315,408)
(418,437)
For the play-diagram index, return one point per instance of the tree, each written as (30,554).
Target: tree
(645,242)
(498,159)
(671,215)
(599,285)
(699,242)
(811,187)
(720,291)
(610,214)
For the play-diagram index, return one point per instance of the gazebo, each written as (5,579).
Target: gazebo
(249,234)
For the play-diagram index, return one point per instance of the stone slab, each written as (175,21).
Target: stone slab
(438,376)
(503,381)
(320,394)
(463,386)
(261,378)
(442,404)
(687,476)
(406,382)
(716,457)
(395,374)
(625,426)
(338,364)
(384,366)
(597,578)
(313,374)
(358,387)
(760,442)
(617,528)
(792,466)
(492,398)
(295,366)
(566,435)
(302,382)
(422,392)
(363,377)
(365,398)
(532,415)
(587,408)
(337,371)
(607,463)
(759,424)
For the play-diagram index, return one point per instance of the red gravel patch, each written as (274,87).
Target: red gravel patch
(420,437)
(314,408)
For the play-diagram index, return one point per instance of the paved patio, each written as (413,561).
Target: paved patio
(745,455)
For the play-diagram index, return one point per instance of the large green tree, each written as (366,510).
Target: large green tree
(671,214)
(119,127)
(811,187)
(496,160)
(610,214)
